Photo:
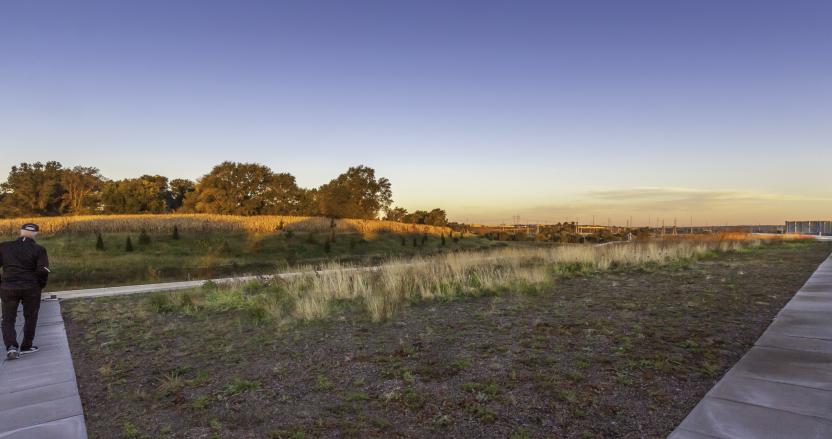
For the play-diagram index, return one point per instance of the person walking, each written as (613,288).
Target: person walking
(25,267)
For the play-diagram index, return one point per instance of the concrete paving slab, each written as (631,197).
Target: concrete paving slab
(40,413)
(734,420)
(812,324)
(681,433)
(72,427)
(38,392)
(810,302)
(775,340)
(780,396)
(802,368)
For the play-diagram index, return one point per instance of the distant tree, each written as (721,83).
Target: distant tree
(146,194)
(355,194)
(396,214)
(128,246)
(81,185)
(33,189)
(178,189)
(435,217)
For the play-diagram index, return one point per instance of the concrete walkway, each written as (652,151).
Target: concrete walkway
(181,285)
(781,388)
(38,392)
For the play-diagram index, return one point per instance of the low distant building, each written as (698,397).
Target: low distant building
(822,228)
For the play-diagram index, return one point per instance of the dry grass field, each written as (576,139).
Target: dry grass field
(384,289)
(209,246)
(211,223)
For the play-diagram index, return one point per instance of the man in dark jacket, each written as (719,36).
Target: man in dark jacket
(25,272)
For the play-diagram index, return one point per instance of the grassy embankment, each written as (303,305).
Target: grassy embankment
(214,246)
(618,341)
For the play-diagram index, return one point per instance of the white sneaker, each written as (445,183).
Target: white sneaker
(12,353)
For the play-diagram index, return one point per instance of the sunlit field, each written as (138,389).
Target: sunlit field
(93,251)
(211,223)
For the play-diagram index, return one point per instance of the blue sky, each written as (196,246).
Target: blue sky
(550,110)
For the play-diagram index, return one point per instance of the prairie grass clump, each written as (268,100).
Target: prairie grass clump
(381,291)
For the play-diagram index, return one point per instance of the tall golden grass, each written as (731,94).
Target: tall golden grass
(384,289)
(209,223)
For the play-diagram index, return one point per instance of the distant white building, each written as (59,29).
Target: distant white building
(822,228)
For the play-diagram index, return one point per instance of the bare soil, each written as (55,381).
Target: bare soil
(622,354)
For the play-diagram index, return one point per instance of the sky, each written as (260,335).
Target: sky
(711,112)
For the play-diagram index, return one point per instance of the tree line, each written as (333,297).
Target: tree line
(230,188)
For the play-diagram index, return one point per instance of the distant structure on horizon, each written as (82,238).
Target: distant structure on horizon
(822,228)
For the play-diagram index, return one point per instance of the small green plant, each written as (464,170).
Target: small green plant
(323,383)
(144,238)
(357,396)
(415,242)
(290,234)
(327,247)
(128,246)
(424,239)
(404,241)
(175,232)
(442,241)
(201,403)
(170,383)
(161,303)
(129,431)
(240,385)
(99,242)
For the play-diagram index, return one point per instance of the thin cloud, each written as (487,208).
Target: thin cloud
(656,197)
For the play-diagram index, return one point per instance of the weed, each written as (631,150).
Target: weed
(239,386)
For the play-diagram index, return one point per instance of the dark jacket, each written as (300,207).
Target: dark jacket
(25,264)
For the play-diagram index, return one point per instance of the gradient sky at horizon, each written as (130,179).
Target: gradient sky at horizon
(719,111)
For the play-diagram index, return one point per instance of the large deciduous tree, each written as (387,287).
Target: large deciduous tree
(179,188)
(80,185)
(146,194)
(33,189)
(355,194)
(245,189)
(435,217)
(396,214)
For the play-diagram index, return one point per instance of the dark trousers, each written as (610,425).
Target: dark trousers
(31,305)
